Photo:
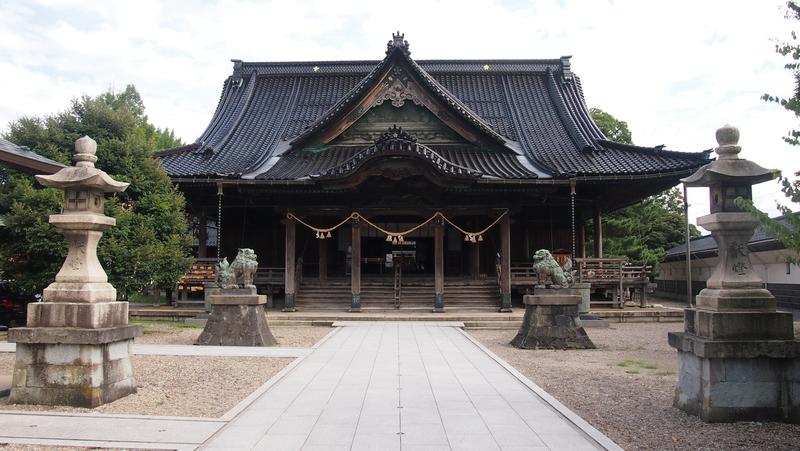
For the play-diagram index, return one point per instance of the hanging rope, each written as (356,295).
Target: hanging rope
(474,236)
(397,236)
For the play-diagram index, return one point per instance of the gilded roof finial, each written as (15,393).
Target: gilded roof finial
(399,42)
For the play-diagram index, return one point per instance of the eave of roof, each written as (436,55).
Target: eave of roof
(25,160)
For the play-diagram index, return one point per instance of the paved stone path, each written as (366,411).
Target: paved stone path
(392,386)
(370,386)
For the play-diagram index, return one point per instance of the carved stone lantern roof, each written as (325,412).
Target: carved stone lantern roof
(729,168)
(83,174)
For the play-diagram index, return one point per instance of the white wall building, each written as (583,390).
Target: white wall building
(767,255)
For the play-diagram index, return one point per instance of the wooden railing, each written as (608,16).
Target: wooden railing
(269,275)
(523,274)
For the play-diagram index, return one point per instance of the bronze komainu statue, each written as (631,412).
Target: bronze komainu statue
(549,273)
(245,266)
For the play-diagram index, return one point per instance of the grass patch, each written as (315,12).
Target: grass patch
(637,364)
(633,371)
(664,373)
(145,298)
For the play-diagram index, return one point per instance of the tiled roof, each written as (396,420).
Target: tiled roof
(25,160)
(535,106)
(706,244)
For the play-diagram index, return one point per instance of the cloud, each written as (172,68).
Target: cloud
(675,71)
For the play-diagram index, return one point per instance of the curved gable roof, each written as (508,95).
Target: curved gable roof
(534,107)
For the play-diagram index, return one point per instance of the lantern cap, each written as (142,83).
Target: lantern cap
(83,174)
(729,168)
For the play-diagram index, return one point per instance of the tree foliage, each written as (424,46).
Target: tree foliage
(641,233)
(614,129)
(788,230)
(148,248)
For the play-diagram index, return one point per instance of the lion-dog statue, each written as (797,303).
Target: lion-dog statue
(245,266)
(549,273)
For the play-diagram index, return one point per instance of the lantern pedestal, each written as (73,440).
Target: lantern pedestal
(76,347)
(737,357)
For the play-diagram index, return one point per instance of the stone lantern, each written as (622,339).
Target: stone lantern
(737,358)
(76,347)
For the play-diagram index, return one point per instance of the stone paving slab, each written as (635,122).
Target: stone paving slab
(410,386)
(212,351)
(105,431)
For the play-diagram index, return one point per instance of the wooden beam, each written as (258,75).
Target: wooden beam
(438,239)
(505,263)
(289,287)
(355,270)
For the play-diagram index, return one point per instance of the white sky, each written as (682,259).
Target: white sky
(674,70)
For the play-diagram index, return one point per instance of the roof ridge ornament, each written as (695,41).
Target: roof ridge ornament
(566,68)
(394,132)
(398,41)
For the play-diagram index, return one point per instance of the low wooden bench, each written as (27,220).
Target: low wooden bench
(636,281)
(603,273)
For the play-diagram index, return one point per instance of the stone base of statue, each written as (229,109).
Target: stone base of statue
(237,318)
(75,354)
(552,322)
(738,366)
(584,290)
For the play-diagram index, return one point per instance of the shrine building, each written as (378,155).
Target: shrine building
(406,184)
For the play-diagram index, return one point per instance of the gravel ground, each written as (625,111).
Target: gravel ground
(189,386)
(173,333)
(625,387)
(178,386)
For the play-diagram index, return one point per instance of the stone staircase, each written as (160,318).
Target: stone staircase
(417,294)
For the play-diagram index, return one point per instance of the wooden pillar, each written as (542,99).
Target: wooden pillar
(438,241)
(290,266)
(323,260)
(505,263)
(202,234)
(598,233)
(355,271)
(475,260)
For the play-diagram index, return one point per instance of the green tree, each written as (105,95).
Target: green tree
(614,129)
(641,233)
(149,246)
(786,231)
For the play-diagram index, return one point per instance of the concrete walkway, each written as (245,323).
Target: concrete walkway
(378,385)
(392,386)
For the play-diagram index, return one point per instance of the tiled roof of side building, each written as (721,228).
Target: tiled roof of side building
(536,105)
(706,244)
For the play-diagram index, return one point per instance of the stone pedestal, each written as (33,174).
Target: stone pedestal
(237,318)
(70,366)
(584,290)
(209,289)
(737,357)
(551,322)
